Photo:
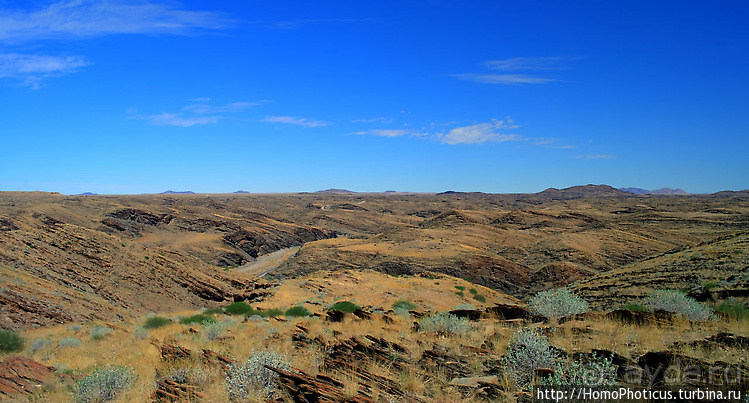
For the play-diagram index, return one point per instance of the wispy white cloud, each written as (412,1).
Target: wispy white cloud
(517,71)
(528,63)
(393,133)
(32,69)
(296,121)
(174,119)
(496,131)
(509,79)
(374,120)
(71,19)
(196,114)
(549,143)
(595,156)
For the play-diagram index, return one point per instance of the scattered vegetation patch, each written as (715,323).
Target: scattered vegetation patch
(10,341)
(344,306)
(460,287)
(104,384)
(556,304)
(198,318)
(460,294)
(298,311)
(156,322)
(242,380)
(678,303)
(239,308)
(404,304)
(40,344)
(270,313)
(473,291)
(444,323)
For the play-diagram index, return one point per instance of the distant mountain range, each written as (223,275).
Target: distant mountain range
(661,191)
(87,194)
(172,192)
(337,191)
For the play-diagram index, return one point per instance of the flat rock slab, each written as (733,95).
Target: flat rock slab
(20,375)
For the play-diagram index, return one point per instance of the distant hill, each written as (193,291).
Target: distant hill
(87,194)
(578,192)
(172,192)
(731,193)
(241,191)
(337,191)
(661,191)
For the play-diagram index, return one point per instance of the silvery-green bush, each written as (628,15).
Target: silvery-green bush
(445,323)
(104,384)
(556,304)
(99,332)
(678,303)
(252,376)
(527,351)
(592,371)
(69,342)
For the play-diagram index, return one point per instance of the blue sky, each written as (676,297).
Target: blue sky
(285,96)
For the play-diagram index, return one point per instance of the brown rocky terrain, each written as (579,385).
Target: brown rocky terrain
(66,258)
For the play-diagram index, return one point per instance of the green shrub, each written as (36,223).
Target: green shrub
(460,294)
(198,318)
(444,323)
(344,306)
(404,304)
(270,313)
(635,308)
(678,303)
(156,322)
(479,297)
(99,332)
(460,287)
(104,384)
(10,341)
(709,286)
(473,291)
(298,311)
(213,311)
(527,351)
(735,309)
(239,308)
(253,376)
(556,304)
(69,342)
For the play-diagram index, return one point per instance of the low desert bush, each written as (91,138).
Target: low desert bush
(479,297)
(140,333)
(527,351)
(213,331)
(156,322)
(10,341)
(198,318)
(404,304)
(270,313)
(635,308)
(239,308)
(678,303)
(69,342)
(298,311)
(444,323)
(556,304)
(40,344)
(99,332)
(252,376)
(344,306)
(104,384)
